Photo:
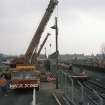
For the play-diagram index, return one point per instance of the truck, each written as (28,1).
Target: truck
(25,77)
(25,73)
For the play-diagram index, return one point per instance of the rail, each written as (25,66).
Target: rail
(93,95)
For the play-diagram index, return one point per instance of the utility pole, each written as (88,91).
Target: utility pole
(57,52)
(45,52)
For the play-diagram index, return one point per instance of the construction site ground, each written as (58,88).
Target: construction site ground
(48,90)
(45,96)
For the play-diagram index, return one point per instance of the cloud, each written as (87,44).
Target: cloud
(18,22)
(81,24)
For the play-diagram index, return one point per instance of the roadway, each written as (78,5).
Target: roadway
(25,97)
(16,98)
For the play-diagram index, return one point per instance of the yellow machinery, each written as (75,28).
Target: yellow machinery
(25,73)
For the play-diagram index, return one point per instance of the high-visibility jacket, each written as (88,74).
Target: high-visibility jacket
(3,82)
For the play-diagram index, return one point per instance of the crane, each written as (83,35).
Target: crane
(43,44)
(35,55)
(32,48)
(24,65)
(36,38)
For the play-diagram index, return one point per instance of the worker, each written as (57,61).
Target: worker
(3,83)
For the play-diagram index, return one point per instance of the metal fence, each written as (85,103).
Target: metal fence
(66,84)
(73,89)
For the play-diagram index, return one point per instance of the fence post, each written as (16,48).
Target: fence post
(72,89)
(65,83)
(82,91)
(61,80)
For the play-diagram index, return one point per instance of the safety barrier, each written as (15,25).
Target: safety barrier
(66,84)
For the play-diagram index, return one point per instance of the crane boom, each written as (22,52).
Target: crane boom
(36,54)
(35,40)
(43,44)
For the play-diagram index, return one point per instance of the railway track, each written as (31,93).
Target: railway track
(97,83)
(93,93)
(98,87)
(90,94)
(100,82)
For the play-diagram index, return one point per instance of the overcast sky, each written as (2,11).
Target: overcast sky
(81,25)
